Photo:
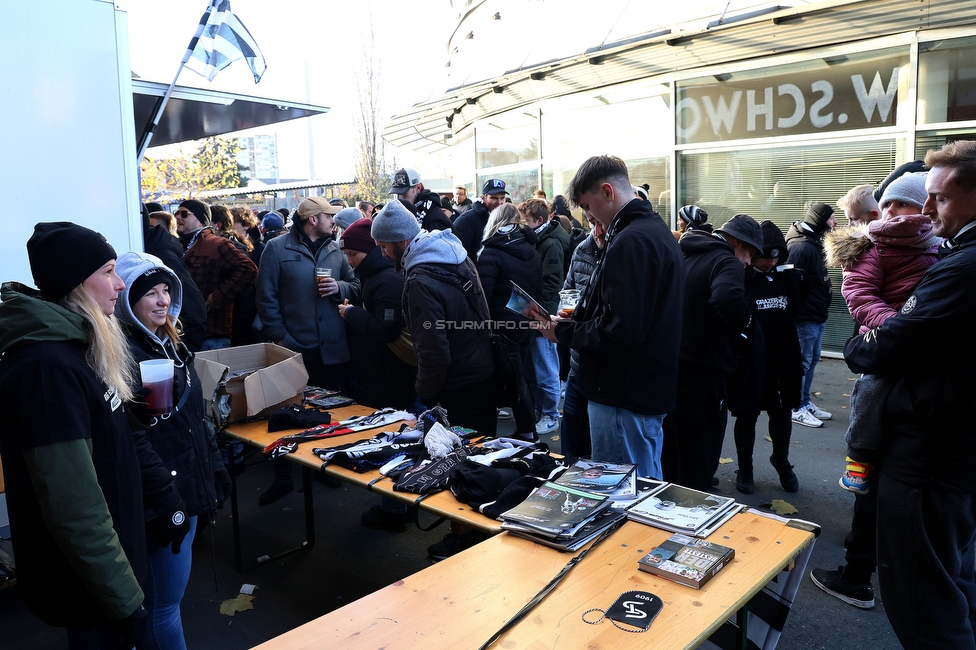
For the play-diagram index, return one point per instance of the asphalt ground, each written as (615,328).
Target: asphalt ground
(349,561)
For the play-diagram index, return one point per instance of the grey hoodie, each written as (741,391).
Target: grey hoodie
(438,247)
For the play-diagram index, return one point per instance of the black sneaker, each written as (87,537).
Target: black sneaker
(837,585)
(744,482)
(277,490)
(787,478)
(379,519)
(453,544)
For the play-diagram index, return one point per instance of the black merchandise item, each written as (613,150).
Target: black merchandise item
(294,416)
(636,609)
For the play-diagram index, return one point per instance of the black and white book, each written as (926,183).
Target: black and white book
(589,531)
(553,509)
(600,477)
(687,560)
(680,509)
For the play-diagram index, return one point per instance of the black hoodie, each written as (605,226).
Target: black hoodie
(509,256)
(806,254)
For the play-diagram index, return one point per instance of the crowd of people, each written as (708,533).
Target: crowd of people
(395,304)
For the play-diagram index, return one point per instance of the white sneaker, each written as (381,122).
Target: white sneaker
(805,418)
(818,412)
(504,414)
(547,424)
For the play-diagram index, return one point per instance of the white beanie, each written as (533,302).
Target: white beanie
(909,188)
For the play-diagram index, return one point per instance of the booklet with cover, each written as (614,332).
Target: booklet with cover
(686,560)
(599,477)
(524,304)
(680,509)
(603,520)
(553,509)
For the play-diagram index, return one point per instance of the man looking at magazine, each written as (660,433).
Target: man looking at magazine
(627,326)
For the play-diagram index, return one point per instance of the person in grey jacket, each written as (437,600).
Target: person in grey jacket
(300,311)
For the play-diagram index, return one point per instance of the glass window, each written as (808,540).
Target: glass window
(834,93)
(520,184)
(656,172)
(776,183)
(507,139)
(947,81)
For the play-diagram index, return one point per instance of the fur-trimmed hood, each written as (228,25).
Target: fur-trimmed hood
(843,246)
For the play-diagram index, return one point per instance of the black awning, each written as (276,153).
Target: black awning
(193,114)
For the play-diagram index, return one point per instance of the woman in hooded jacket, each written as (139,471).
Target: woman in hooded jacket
(184,474)
(508,254)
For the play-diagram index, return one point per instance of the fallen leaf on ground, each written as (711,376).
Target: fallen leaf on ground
(239,604)
(852,379)
(768,439)
(782,508)
(724,461)
(847,394)
(554,438)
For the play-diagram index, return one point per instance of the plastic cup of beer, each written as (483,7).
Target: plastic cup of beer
(157,376)
(321,272)
(568,299)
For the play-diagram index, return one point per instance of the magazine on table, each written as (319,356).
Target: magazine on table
(525,305)
(325,398)
(598,476)
(643,488)
(680,509)
(553,509)
(590,530)
(687,560)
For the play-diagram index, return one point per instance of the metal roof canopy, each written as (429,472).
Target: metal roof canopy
(272,189)
(194,113)
(430,126)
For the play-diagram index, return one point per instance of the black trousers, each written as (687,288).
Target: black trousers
(472,406)
(696,428)
(524,408)
(780,430)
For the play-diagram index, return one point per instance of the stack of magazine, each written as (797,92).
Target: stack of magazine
(683,510)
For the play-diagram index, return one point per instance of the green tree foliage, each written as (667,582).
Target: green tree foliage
(214,166)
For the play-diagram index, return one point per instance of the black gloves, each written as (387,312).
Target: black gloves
(171,526)
(133,627)
(222,486)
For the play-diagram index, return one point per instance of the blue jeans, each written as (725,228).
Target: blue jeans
(811,337)
(621,436)
(217,343)
(545,363)
(166,580)
(575,431)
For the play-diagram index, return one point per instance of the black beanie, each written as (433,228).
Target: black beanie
(774,244)
(817,217)
(63,255)
(199,209)
(142,284)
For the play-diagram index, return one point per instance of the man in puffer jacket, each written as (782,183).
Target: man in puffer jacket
(805,244)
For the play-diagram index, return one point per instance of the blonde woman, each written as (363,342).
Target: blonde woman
(69,457)
(508,254)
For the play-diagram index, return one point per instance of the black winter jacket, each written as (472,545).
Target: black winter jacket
(508,257)
(382,379)
(806,254)
(470,228)
(929,428)
(581,268)
(627,328)
(552,244)
(716,313)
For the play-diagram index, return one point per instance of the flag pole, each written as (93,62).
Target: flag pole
(161,104)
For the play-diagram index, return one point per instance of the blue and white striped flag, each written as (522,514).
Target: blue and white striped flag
(220,40)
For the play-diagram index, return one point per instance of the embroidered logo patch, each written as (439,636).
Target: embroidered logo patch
(909,304)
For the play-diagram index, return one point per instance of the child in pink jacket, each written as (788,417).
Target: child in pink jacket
(882,265)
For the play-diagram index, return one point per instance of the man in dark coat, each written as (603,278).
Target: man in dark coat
(805,244)
(716,316)
(627,326)
(469,228)
(927,484)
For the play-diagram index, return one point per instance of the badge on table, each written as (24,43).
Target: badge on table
(635,609)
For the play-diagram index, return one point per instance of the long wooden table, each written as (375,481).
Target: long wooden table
(459,603)
(442,504)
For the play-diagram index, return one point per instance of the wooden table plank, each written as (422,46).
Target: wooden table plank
(460,602)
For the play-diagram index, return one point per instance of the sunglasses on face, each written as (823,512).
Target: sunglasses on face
(182,213)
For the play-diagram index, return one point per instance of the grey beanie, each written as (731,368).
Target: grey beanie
(394,223)
(909,188)
(347,216)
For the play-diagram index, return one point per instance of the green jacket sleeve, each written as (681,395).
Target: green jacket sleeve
(74,510)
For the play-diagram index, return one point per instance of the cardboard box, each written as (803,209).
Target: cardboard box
(275,376)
